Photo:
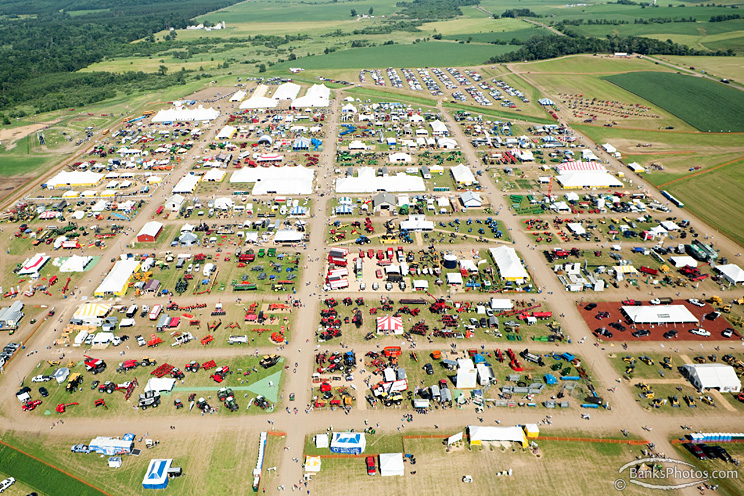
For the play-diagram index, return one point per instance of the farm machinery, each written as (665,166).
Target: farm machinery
(226,396)
(93,365)
(62,407)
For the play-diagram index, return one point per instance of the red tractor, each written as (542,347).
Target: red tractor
(127,365)
(94,365)
(62,407)
(220,374)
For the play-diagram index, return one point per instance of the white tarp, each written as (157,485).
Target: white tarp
(182,114)
(367,181)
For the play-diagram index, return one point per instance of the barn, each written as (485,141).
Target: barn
(150,232)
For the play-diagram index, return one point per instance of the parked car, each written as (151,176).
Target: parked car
(696,302)
(640,333)
(699,331)
(696,451)
(727,333)
(429,369)
(618,326)
(671,334)
(371,469)
(43,392)
(42,378)
(80,448)
(590,306)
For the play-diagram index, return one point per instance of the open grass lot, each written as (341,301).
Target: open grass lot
(702,103)
(584,64)
(293,11)
(677,166)
(593,466)
(419,55)
(210,463)
(723,189)
(727,67)
(32,475)
(730,484)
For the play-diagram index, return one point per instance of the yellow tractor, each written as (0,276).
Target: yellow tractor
(667,363)
(658,402)
(715,300)
(646,360)
(708,401)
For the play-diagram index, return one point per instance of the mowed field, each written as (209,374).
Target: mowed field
(704,104)
(433,53)
(726,67)
(716,197)
(558,468)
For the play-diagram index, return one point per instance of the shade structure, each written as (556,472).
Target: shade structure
(713,376)
(391,464)
(388,323)
(659,314)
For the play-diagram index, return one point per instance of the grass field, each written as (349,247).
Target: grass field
(40,477)
(293,11)
(728,67)
(720,203)
(418,55)
(584,64)
(700,102)
(593,467)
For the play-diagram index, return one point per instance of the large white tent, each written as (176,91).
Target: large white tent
(317,96)
(367,181)
(277,180)
(74,178)
(659,314)
(463,175)
(509,265)
(183,114)
(713,376)
(115,283)
(391,464)
(258,102)
(34,264)
(287,91)
(467,375)
(75,263)
(187,184)
(238,96)
(588,179)
(388,323)
(480,433)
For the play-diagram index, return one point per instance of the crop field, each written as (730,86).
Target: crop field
(419,55)
(292,11)
(702,103)
(584,64)
(720,203)
(728,67)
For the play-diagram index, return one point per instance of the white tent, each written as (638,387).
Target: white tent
(238,96)
(258,102)
(182,114)
(227,132)
(480,433)
(75,263)
(280,180)
(389,323)
(187,184)
(467,375)
(454,278)
(287,91)
(391,464)
(367,181)
(659,314)
(501,304)
(317,96)
(462,175)
(34,264)
(160,385)
(713,376)
(117,279)
(732,273)
(312,464)
(74,178)
(683,261)
(321,441)
(438,128)
(91,310)
(509,265)
(215,175)
(576,228)
(399,157)
(588,179)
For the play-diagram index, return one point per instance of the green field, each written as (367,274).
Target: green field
(417,55)
(704,104)
(40,476)
(520,34)
(292,11)
(720,202)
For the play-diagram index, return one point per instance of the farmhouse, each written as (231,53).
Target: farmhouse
(150,232)
(117,280)
(659,314)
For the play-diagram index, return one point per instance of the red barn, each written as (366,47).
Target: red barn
(150,232)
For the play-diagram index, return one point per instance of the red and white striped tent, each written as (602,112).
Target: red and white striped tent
(579,166)
(389,323)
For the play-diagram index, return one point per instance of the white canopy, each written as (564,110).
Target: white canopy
(74,178)
(367,181)
(588,179)
(287,91)
(214,175)
(480,433)
(509,265)
(181,114)
(238,96)
(75,263)
(463,175)
(160,384)
(187,184)
(732,272)
(317,96)
(391,464)
(259,102)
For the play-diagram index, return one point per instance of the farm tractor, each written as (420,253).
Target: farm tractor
(226,396)
(62,407)
(94,365)
(269,361)
(149,399)
(220,374)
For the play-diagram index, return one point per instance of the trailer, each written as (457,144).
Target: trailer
(155,312)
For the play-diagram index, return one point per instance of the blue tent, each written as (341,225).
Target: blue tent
(156,476)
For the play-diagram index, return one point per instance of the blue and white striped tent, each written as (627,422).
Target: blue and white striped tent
(545,101)
(344,210)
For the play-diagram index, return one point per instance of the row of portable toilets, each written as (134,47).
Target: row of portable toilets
(716,437)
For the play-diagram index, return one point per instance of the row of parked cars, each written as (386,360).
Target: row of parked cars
(9,350)
(705,452)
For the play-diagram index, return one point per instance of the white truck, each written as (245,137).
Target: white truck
(237,340)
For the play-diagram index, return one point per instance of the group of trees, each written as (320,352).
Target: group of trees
(547,47)
(517,13)
(433,9)
(42,48)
